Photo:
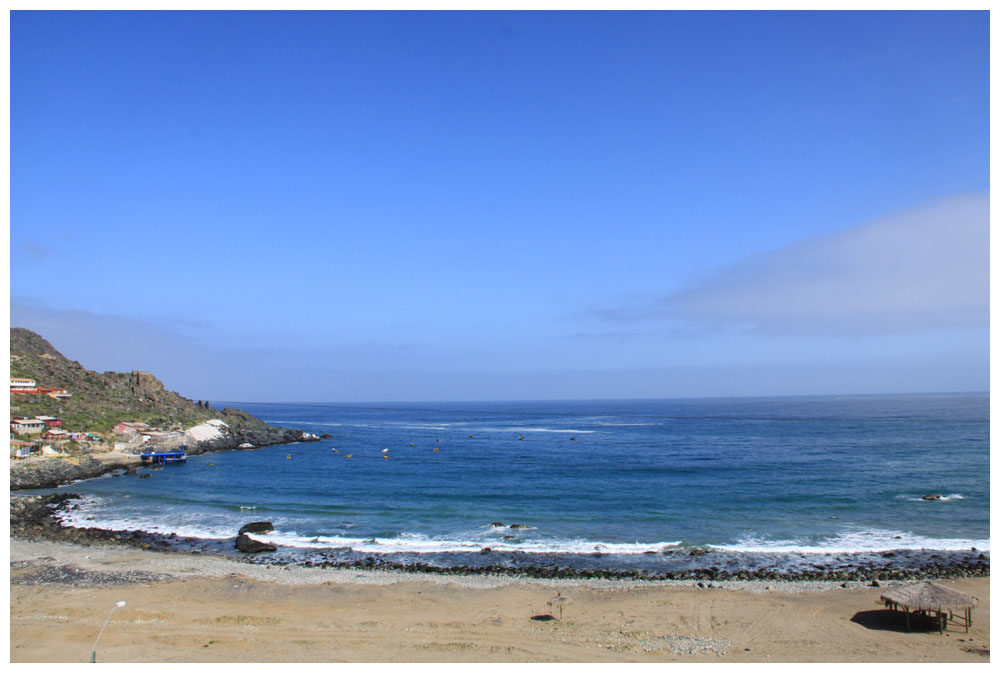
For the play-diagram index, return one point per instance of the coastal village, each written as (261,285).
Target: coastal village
(46,436)
(68,422)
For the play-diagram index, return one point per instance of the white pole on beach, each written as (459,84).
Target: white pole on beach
(93,652)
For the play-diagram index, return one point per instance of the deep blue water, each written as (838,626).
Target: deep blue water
(807,474)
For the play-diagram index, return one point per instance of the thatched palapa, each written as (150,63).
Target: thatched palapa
(927,597)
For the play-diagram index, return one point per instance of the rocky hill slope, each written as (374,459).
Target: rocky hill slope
(101,400)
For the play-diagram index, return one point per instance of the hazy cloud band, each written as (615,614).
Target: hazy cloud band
(920,269)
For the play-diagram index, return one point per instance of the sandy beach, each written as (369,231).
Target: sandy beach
(191,608)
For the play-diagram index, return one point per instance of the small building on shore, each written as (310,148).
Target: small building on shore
(55,434)
(160,437)
(20,449)
(20,385)
(50,421)
(54,393)
(26,426)
(130,427)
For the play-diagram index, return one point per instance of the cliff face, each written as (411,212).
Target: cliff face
(101,400)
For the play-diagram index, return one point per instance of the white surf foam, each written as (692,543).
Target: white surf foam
(626,425)
(98,512)
(417,543)
(856,542)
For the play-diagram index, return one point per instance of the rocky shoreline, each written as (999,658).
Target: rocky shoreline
(36,518)
(56,472)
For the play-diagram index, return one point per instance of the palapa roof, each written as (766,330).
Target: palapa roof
(930,597)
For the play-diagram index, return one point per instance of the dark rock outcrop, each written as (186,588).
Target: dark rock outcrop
(932,496)
(248,545)
(245,432)
(257,527)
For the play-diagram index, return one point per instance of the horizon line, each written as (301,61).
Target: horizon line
(354,403)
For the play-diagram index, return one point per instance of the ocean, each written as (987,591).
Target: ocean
(783,483)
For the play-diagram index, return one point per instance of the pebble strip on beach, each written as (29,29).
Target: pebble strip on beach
(34,562)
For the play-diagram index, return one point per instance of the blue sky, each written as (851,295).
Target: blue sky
(497,205)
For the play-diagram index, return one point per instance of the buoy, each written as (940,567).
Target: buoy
(435,450)
(385,457)
(412,444)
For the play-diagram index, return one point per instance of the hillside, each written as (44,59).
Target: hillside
(101,400)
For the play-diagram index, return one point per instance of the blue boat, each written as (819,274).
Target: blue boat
(161,457)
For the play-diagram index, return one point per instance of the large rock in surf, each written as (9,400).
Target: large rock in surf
(248,545)
(257,527)
(932,496)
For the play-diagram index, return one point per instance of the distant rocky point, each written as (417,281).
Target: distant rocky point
(98,402)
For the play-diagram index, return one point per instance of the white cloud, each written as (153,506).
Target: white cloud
(920,269)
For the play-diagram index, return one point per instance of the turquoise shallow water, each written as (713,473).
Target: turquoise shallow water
(805,475)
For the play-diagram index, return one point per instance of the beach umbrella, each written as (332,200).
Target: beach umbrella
(926,597)
(559,600)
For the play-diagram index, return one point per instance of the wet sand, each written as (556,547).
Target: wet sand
(191,608)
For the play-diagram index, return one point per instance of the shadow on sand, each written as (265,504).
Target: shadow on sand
(887,620)
(543,618)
